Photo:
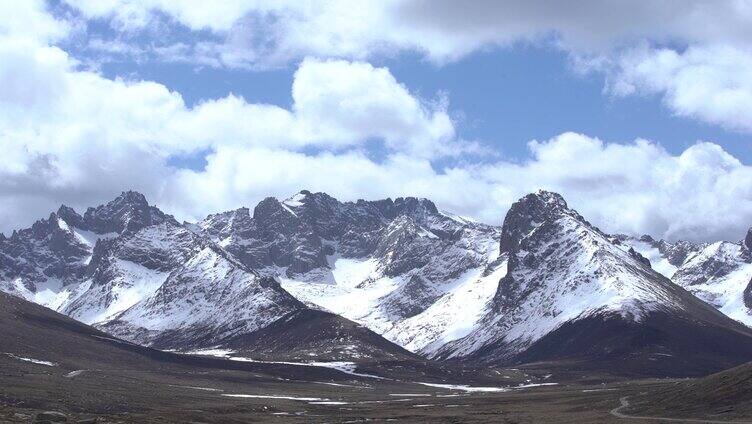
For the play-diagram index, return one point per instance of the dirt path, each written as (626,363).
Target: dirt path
(625,403)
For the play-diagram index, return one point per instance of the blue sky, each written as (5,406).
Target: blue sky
(503,97)
(639,111)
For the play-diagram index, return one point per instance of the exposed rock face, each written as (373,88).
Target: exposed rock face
(394,259)
(125,269)
(748,295)
(437,284)
(298,234)
(184,311)
(48,253)
(127,256)
(566,277)
(717,273)
(526,214)
(716,261)
(143,276)
(56,252)
(129,212)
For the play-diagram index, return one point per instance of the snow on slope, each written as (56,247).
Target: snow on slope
(359,291)
(129,263)
(101,303)
(454,315)
(719,275)
(560,269)
(355,293)
(127,269)
(210,293)
(49,293)
(425,279)
(88,238)
(380,263)
(657,260)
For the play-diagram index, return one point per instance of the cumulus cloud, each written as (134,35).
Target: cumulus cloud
(709,83)
(30,21)
(705,74)
(442,29)
(701,194)
(73,136)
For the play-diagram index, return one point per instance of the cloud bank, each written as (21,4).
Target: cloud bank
(694,53)
(70,135)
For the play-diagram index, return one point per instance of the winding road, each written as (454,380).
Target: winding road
(625,403)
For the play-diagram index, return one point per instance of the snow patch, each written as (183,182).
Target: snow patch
(465,388)
(32,360)
(453,316)
(305,399)
(134,284)
(657,261)
(295,201)
(328,402)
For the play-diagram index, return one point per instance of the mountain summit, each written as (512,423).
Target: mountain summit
(545,286)
(571,293)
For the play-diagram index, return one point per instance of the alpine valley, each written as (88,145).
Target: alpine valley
(390,292)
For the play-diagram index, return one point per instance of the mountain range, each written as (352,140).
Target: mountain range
(310,277)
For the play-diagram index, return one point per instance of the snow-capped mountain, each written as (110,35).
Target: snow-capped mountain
(404,269)
(566,277)
(665,257)
(127,267)
(46,262)
(289,279)
(719,273)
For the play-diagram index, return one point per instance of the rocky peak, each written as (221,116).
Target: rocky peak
(272,218)
(528,213)
(269,208)
(128,212)
(229,220)
(747,295)
(44,227)
(400,231)
(314,203)
(748,240)
(647,239)
(640,258)
(132,197)
(413,205)
(70,216)
(239,219)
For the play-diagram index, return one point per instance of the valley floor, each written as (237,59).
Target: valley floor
(178,393)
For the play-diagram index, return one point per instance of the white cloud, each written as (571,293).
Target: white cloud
(49,106)
(73,136)
(30,21)
(709,83)
(341,101)
(195,14)
(442,29)
(706,74)
(702,194)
